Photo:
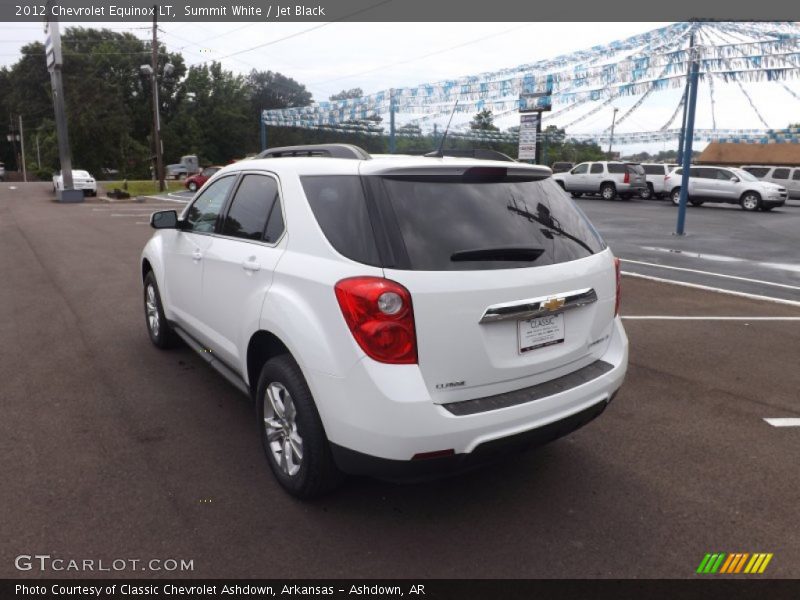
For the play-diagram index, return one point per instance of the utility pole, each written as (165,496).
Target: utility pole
(611,138)
(156,109)
(22,145)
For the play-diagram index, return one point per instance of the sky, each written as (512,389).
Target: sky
(329,57)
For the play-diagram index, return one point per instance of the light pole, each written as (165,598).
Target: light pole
(611,138)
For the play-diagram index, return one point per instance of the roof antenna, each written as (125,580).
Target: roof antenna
(438,153)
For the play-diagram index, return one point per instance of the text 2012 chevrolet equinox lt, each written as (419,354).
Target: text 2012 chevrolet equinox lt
(391,316)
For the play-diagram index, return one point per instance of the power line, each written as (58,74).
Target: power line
(310,29)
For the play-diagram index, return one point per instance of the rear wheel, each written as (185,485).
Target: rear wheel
(608,191)
(675,196)
(750,201)
(192,186)
(647,193)
(294,440)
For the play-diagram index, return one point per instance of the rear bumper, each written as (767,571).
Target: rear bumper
(358,463)
(384,412)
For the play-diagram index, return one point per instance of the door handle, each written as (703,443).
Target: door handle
(251,265)
(196,255)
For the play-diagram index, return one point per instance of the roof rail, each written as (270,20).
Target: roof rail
(327,150)
(479,153)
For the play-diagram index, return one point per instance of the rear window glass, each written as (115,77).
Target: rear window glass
(653,169)
(449,225)
(340,208)
(757,171)
(780,174)
(637,169)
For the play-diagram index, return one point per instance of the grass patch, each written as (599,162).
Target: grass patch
(142,188)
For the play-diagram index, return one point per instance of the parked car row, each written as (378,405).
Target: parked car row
(788,177)
(607,178)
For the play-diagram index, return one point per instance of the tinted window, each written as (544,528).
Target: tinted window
(250,207)
(796,175)
(653,169)
(596,168)
(275,224)
(616,168)
(580,169)
(202,214)
(340,208)
(757,171)
(704,173)
(441,220)
(723,174)
(780,174)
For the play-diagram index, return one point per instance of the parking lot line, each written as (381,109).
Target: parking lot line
(736,277)
(713,289)
(784,422)
(704,318)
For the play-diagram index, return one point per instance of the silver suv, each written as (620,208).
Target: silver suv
(788,177)
(656,174)
(726,184)
(607,178)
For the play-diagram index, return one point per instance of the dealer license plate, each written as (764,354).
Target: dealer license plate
(540,332)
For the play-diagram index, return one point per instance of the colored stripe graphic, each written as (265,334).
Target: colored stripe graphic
(734,563)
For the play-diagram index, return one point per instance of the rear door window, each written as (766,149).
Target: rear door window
(780,174)
(450,225)
(757,171)
(596,168)
(796,175)
(251,207)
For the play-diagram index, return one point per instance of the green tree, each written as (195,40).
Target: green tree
(347,94)
(484,121)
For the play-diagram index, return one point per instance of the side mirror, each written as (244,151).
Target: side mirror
(164,219)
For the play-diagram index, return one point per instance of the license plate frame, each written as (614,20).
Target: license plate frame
(540,332)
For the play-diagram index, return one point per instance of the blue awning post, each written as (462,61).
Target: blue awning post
(392,142)
(687,151)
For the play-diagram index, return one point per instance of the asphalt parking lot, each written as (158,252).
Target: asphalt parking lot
(110,448)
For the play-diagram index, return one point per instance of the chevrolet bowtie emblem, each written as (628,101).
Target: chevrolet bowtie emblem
(552,304)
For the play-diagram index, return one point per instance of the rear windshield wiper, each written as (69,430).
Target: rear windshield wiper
(510,253)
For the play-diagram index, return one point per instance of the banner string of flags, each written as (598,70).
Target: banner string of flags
(640,65)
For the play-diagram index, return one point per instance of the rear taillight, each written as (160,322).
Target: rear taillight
(627,178)
(381,318)
(619,287)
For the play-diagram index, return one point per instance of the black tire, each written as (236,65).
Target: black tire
(697,202)
(608,191)
(675,196)
(648,193)
(192,186)
(316,472)
(161,334)
(750,201)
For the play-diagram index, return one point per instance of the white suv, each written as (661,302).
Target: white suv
(726,184)
(394,316)
(607,178)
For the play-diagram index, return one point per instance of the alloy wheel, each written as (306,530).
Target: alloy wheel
(280,428)
(151,308)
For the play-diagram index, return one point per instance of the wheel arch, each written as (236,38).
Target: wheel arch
(263,346)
